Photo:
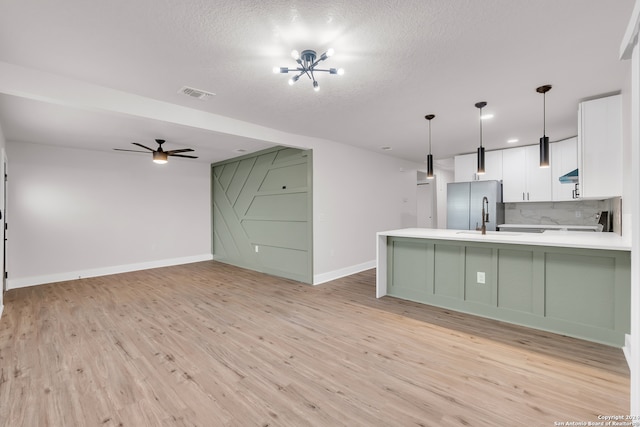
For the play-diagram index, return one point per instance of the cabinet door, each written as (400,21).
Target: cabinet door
(600,147)
(564,159)
(492,166)
(465,167)
(538,180)
(513,175)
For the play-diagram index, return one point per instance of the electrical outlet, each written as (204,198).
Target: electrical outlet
(257,249)
(480,277)
(578,214)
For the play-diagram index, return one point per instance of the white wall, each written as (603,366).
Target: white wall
(629,191)
(79,213)
(82,213)
(3,211)
(356,193)
(443,177)
(629,50)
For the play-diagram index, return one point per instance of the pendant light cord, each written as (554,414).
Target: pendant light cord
(544,114)
(429,136)
(480,126)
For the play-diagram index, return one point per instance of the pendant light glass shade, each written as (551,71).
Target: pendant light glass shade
(544,141)
(480,170)
(429,156)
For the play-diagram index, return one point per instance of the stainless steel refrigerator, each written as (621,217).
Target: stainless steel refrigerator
(464,204)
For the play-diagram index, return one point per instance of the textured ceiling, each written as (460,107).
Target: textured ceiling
(403,59)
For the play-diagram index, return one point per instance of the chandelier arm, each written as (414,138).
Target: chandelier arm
(308,72)
(322,69)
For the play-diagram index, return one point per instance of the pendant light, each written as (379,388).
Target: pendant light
(480,170)
(544,141)
(429,156)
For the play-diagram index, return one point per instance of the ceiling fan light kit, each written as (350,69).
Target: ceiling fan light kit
(307,62)
(159,155)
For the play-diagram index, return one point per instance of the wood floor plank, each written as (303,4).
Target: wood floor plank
(209,344)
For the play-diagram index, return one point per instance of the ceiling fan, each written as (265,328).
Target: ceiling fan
(160,156)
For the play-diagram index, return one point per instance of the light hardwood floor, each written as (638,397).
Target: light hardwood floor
(208,344)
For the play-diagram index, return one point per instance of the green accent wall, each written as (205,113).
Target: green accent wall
(583,293)
(263,201)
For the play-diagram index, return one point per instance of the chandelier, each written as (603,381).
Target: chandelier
(307,62)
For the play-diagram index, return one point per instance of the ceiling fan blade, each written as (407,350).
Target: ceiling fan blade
(143,146)
(182,150)
(183,155)
(133,151)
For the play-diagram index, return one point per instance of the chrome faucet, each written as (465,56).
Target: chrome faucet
(485,215)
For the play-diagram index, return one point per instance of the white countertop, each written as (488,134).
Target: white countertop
(549,227)
(569,239)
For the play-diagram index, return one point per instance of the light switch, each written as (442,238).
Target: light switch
(480,277)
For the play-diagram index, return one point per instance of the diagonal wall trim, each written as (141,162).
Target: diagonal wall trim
(262,212)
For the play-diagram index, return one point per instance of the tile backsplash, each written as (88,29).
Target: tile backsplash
(579,212)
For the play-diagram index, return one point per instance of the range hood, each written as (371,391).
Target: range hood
(569,178)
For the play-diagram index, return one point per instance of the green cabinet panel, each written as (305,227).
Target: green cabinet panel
(285,234)
(242,173)
(581,289)
(583,293)
(226,174)
(410,269)
(290,155)
(285,178)
(449,271)
(515,271)
(284,262)
(260,168)
(479,260)
(282,207)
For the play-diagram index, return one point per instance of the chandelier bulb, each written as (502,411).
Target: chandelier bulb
(307,62)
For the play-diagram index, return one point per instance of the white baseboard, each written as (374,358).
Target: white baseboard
(1,308)
(24,282)
(627,349)
(347,271)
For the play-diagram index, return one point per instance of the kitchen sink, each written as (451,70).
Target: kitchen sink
(500,233)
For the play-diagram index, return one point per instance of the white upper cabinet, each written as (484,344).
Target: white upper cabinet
(492,166)
(564,161)
(466,165)
(600,148)
(523,178)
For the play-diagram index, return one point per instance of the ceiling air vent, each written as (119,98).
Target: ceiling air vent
(195,93)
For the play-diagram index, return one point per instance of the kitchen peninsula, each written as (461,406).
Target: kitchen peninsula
(572,283)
